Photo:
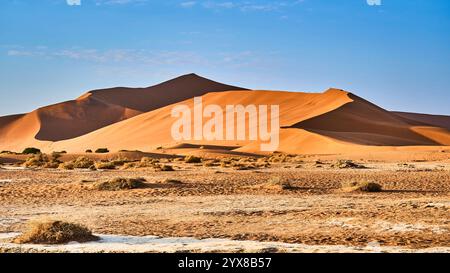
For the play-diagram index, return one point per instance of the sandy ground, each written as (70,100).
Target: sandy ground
(411,214)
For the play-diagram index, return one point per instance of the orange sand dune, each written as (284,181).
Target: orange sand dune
(99,108)
(331,122)
(311,123)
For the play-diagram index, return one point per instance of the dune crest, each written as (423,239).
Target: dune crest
(99,108)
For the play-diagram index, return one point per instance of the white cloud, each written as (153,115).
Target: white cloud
(188,4)
(73,2)
(251,5)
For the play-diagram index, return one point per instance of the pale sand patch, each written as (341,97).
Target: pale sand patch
(117,243)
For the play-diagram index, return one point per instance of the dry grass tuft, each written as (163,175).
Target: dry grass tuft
(172,181)
(362,186)
(105,165)
(192,159)
(121,184)
(166,168)
(83,162)
(55,232)
(348,164)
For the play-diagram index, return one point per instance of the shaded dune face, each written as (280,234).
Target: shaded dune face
(425,120)
(99,108)
(362,122)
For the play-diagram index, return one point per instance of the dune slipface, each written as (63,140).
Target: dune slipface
(334,121)
(97,109)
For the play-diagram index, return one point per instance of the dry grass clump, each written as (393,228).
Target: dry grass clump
(347,164)
(37,160)
(172,181)
(55,232)
(105,165)
(278,157)
(362,186)
(83,162)
(166,168)
(192,159)
(42,160)
(120,183)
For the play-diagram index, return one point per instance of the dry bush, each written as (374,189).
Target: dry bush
(166,168)
(147,162)
(364,186)
(66,166)
(192,159)
(37,160)
(105,165)
(276,183)
(55,232)
(347,164)
(172,181)
(51,165)
(120,183)
(83,162)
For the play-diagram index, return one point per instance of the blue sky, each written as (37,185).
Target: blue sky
(396,55)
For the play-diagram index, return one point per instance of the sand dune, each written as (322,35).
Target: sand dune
(99,108)
(331,122)
(334,121)
(425,120)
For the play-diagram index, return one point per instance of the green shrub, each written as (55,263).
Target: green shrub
(31,150)
(88,151)
(102,151)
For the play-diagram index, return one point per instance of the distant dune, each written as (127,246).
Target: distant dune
(335,121)
(99,108)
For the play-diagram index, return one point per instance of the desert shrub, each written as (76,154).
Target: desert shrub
(66,166)
(147,162)
(121,184)
(105,165)
(172,181)
(83,162)
(102,151)
(51,165)
(31,150)
(364,186)
(88,151)
(279,184)
(347,164)
(210,163)
(192,159)
(129,165)
(55,232)
(166,168)
(37,160)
